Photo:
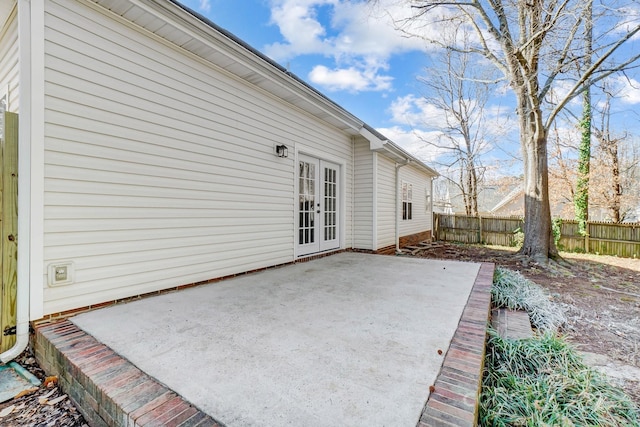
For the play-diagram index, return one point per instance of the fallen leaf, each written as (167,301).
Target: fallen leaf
(26,392)
(57,400)
(43,399)
(6,411)
(50,381)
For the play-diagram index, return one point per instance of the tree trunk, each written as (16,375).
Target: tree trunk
(616,188)
(538,237)
(581,198)
(581,201)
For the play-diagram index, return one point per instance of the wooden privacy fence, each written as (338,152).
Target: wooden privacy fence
(472,229)
(603,238)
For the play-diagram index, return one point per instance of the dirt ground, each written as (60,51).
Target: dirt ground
(599,294)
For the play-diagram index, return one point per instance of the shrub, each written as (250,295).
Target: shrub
(512,290)
(542,381)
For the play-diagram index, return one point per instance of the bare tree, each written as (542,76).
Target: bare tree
(562,172)
(615,165)
(536,44)
(458,89)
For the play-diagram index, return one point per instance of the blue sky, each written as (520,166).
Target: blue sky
(351,53)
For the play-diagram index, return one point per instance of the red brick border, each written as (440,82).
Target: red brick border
(107,389)
(455,396)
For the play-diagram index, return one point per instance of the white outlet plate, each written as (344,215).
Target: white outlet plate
(56,273)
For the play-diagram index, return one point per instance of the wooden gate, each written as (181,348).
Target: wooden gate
(9,228)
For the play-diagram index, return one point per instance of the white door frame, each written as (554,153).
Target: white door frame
(318,215)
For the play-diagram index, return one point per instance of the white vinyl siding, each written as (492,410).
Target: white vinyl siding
(421,214)
(9,66)
(386,193)
(421,218)
(159,168)
(363,196)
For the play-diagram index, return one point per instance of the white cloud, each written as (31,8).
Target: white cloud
(629,90)
(205,5)
(414,111)
(354,30)
(359,41)
(415,142)
(302,32)
(350,79)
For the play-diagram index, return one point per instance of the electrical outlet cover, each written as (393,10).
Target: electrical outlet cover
(60,273)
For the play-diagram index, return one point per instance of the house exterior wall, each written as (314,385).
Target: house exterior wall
(421,211)
(363,199)
(421,221)
(160,168)
(9,65)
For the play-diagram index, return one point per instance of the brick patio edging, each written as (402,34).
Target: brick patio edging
(107,389)
(455,396)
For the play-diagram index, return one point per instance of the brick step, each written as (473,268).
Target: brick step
(511,324)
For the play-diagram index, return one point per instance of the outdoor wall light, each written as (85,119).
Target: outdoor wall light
(282,150)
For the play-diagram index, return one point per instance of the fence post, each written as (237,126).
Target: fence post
(480,229)
(586,238)
(9,230)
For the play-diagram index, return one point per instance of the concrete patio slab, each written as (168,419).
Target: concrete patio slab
(350,339)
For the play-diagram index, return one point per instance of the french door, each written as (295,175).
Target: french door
(318,205)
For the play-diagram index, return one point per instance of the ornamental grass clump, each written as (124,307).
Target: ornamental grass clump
(542,381)
(512,290)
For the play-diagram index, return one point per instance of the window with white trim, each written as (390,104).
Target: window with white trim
(407,201)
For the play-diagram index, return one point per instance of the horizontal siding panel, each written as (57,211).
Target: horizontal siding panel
(147,191)
(129,176)
(106,224)
(147,248)
(149,236)
(135,262)
(159,168)
(214,175)
(231,210)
